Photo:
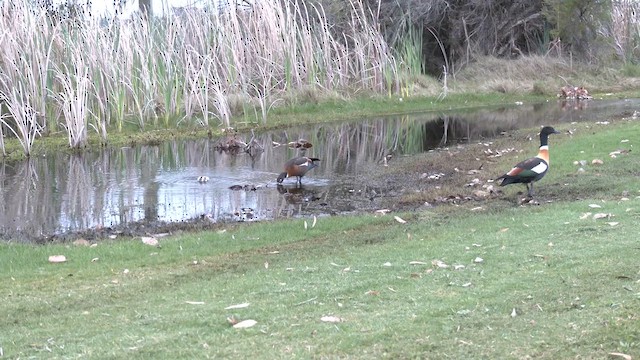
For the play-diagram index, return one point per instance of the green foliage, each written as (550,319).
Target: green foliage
(577,22)
(631,69)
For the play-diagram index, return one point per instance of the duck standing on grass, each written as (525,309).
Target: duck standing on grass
(533,169)
(297,167)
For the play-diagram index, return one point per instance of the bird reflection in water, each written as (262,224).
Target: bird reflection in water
(298,194)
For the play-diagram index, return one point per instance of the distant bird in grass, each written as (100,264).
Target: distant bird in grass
(533,169)
(297,167)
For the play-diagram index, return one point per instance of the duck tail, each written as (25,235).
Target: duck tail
(506,180)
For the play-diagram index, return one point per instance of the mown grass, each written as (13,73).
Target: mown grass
(552,283)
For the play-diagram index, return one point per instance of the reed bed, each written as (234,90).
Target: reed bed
(190,69)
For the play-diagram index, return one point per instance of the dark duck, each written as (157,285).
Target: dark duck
(297,167)
(531,170)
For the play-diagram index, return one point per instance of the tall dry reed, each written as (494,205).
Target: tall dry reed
(183,70)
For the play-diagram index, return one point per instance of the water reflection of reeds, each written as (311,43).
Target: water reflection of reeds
(117,186)
(111,187)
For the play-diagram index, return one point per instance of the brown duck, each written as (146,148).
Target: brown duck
(297,167)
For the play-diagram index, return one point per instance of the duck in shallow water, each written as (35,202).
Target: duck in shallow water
(297,167)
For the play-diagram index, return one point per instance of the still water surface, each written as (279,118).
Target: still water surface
(116,187)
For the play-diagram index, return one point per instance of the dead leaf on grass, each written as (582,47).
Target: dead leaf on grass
(244,324)
(57,259)
(601,216)
(481,194)
(478,260)
(372,292)
(613,223)
(594,206)
(81,242)
(504,230)
(624,356)
(417,263)
(151,241)
(400,220)
(585,215)
(237,306)
(439,263)
(331,319)
(195,302)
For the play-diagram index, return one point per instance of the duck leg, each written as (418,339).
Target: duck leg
(530,190)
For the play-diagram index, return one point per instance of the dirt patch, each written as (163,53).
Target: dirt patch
(449,175)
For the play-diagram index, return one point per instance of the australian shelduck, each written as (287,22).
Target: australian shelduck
(297,167)
(533,169)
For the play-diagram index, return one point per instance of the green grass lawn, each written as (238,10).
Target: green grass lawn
(507,281)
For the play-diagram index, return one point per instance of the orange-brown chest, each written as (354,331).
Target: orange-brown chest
(543,154)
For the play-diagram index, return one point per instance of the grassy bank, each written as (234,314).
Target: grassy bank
(503,281)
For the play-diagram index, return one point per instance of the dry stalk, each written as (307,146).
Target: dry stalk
(21,120)
(190,63)
(73,101)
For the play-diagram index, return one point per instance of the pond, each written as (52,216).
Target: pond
(109,190)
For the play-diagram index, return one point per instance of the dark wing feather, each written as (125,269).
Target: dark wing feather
(525,171)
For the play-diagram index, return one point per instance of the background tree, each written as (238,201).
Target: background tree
(577,24)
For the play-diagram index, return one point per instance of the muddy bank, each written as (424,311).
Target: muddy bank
(398,164)
(451,175)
